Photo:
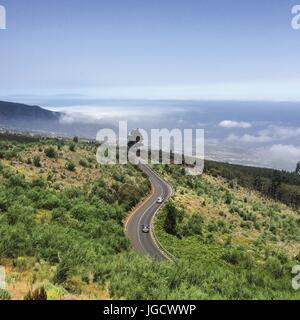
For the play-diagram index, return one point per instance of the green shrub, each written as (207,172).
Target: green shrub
(23,263)
(37,161)
(19,213)
(15,241)
(238,256)
(4,294)
(275,267)
(172,219)
(50,152)
(83,163)
(3,201)
(70,166)
(72,147)
(228,198)
(49,202)
(193,226)
(17,180)
(39,182)
(80,212)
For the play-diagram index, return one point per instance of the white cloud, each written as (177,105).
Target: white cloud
(248,138)
(284,151)
(234,124)
(96,114)
(281,156)
(271,133)
(280,133)
(212,141)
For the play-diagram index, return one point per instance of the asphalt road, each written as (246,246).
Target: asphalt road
(144,243)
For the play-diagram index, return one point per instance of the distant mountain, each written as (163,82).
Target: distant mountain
(10,111)
(22,117)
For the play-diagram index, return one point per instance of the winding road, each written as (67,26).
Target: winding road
(144,243)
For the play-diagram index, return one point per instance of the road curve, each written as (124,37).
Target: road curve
(144,243)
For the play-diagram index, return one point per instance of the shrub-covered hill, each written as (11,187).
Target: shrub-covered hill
(246,242)
(279,185)
(61,214)
(61,229)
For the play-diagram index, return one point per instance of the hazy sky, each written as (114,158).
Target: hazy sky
(197,49)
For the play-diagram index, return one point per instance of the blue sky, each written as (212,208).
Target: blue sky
(74,53)
(181,49)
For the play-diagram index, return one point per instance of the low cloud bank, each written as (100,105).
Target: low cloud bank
(279,156)
(247,142)
(90,114)
(271,134)
(234,124)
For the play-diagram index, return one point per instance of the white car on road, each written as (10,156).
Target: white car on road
(160,200)
(145,228)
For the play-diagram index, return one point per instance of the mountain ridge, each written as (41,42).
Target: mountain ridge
(13,110)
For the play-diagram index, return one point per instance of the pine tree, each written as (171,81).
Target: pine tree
(275,184)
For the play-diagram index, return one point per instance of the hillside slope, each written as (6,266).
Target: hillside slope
(61,229)
(238,243)
(61,217)
(13,111)
(22,117)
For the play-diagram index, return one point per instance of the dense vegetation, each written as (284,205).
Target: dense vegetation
(61,231)
(280,185)
(247,244)
(49,216)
